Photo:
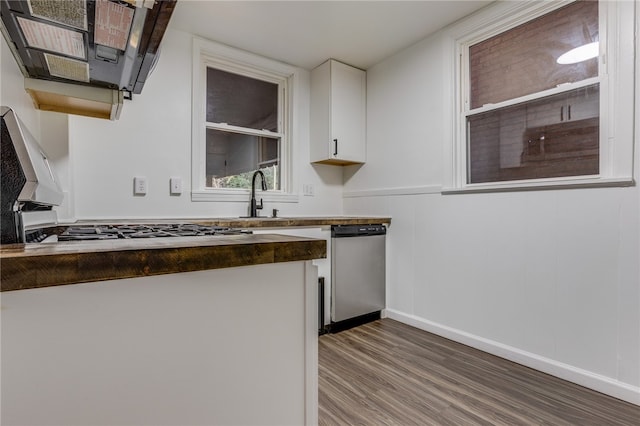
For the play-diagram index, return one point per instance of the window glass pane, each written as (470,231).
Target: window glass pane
(233,157)
(241,101)
(523,60)
(551,137)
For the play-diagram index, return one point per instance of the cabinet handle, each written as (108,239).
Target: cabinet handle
(569,112)
(335,147)
(561,113)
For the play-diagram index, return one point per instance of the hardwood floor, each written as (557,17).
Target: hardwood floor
(388,373)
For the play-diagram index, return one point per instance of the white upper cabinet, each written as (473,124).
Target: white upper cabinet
(338,108)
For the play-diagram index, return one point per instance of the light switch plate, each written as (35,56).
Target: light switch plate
(175,186)
(308,190)
(140,185)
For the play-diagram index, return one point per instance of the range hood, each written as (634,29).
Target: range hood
(85,56)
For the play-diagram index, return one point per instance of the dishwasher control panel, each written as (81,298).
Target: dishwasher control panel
(342,231)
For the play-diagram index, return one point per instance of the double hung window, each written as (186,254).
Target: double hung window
(534,98)
(241,124)
(531,114)
(243,130)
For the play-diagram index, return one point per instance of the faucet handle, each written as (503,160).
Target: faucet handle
(259,206)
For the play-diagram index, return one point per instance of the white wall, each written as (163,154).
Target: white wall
(49,128)
(547,278)
(12,92)
(153,139)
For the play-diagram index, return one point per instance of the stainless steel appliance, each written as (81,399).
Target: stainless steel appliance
(110,44)
(357,274)
(30,190)
(85,57)
(29,186)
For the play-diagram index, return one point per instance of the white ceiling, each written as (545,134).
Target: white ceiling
(306,33)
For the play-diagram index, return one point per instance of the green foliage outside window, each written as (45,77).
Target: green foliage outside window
(243,180)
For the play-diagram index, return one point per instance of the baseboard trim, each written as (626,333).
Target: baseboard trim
(567,372)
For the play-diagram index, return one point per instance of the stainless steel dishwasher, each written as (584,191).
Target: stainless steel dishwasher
(357,274)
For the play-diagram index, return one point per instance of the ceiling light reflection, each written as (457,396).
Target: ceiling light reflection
(580,53)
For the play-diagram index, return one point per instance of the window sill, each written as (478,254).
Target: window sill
(241,196)
(541,185)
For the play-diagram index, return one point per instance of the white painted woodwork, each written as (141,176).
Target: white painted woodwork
(338,114)
(232,346)
(324,265)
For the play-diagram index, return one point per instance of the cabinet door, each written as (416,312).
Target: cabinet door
(583,104)
(578,104)
(348,105)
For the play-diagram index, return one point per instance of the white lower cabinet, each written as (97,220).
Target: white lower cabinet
(234,346)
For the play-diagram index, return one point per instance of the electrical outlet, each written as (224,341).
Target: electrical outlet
(308,190)
(175,185)
(140,185)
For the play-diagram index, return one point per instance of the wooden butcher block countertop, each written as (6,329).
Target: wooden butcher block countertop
(25,266)
(289,222)
(34,265)
(262,221)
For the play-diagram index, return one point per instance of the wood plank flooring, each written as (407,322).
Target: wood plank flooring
(388,373)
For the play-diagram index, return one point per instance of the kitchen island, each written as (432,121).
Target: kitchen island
(193,330)
(36,265)
(42,265)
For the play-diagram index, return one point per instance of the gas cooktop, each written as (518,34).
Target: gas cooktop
(111,232)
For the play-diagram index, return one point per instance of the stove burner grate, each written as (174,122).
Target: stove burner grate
(111,232)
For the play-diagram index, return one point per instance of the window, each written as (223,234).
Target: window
(243,130)
(242,122)
(522,123)
(531,112)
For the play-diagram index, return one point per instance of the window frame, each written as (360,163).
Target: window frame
(210,54)
(616,132)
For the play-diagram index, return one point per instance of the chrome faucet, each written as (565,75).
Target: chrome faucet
(253,206)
